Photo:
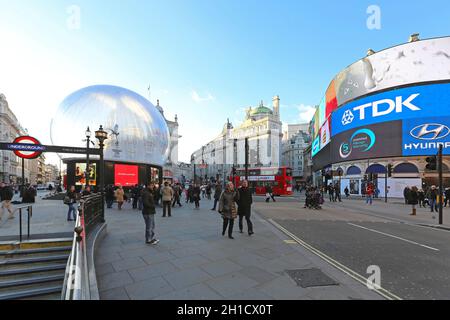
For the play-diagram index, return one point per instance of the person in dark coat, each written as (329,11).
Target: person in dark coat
(148,212)
(269,193)
(217,193)
(405,194)
(196,196)
(72,203)
(245,207)
(227,208)
(6,195)
(413,199)
(421,198)
(109,196)
(29,195)
(86,191)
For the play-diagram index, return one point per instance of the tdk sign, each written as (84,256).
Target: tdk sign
(405,103)
(380,108)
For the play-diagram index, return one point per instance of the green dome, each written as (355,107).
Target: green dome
(261,110)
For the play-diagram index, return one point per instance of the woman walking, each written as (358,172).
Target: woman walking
(119,194)
(228,208)
(71,201)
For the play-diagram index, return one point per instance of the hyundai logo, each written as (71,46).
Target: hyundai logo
(430,131)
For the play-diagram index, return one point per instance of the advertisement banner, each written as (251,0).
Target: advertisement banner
(80,174)
(405,103)
(315,148)
(421,61)
(422,137)
(316,123)
(126,175)
(373,141)
(322,112)
(331,100)
(325,135)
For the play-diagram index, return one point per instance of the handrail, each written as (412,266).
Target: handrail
(29,208)
(76,281)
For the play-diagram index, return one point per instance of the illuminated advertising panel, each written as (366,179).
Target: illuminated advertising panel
(322,112)
(421,61)
(373,141)
(80,174)
(331,100)
(315,148)
(405,103)
(126,175)
(422,137)
(325,135)
(316,123)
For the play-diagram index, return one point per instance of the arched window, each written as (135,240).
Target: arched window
(353,170)
(376,169)
(406,168)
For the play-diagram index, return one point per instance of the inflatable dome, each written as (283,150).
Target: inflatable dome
(137,132)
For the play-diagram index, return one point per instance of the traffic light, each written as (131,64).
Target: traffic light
(234,171)
(431,163)
(389,170)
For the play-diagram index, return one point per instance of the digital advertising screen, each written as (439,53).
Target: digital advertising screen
(80,174)
(373,141)
(126,175)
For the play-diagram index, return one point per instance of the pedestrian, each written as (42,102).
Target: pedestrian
(148,212)
(177,192)
(245,207)
(196,195)
(167,197)
(405,194)
(447,196)
(337,193)
(217,193)
(432,196)
(29,194)
(86,191)
(120,196)
(6,195)
(135,195)
(369,193)
(141,191)
(228,209)
(71,200)
(269,193)
(421,198)
(331,193)
(109,196)
(413,199)
(347,192)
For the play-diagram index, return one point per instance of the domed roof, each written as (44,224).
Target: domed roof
(261,110)
(137,131)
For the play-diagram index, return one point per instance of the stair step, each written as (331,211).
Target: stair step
(20,294)
(9,262)
(34,251)
(31,280)
(44,268)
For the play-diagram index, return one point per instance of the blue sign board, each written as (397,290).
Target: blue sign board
(315,146)
(422,137)
(405,103)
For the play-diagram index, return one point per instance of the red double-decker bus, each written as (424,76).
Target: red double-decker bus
(279,178)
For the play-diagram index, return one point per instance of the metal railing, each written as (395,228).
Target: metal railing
(29,215)
(76,281)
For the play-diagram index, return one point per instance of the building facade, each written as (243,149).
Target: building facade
(295,141)
(263,130)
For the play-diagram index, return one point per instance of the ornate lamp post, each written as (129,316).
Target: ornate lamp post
(88,141)
(101,136)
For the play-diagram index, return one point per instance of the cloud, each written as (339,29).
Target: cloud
(305,113)
(198,99)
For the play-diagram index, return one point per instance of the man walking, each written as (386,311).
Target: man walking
(245,207)
(432,198)
(176,195)
(6,195)
(148,212)
(167,196)
(269,193)
(369,193)
(217,193)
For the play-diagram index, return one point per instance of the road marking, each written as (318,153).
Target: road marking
(354,275)
(290,241)
(390,235)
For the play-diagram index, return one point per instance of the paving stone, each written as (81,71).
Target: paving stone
(221,267)
(157,257)
(196,292)
(129,263)
(136,252)
(267,253)
(258,274)
(153,270)
(102,269)
(148,289)
(186,278)
(231,284)
(114,294)
(114,280)
(283,288)
(106,258)
(247,259)
(180,253)
(189,261)
(250,294)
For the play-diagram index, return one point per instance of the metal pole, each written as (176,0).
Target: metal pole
(246,158)
(440,184)
(87,161)
(102,181)
(20,224)
(385,184)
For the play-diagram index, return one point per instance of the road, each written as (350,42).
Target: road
(414,260)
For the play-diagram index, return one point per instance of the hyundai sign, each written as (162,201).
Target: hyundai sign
(407,103)
(423,136)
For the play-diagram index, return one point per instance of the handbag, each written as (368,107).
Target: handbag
(67,200)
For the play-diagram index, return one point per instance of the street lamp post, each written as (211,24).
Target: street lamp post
(101,136)
(88,141)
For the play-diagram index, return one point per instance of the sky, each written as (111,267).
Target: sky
(205,60)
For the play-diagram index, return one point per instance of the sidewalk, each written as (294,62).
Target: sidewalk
(193,261)
(49,219)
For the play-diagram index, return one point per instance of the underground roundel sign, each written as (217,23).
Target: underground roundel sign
(27,147)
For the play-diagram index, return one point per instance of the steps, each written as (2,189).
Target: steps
(34,269)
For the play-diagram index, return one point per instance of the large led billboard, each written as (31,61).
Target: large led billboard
(372,141)
(423,136)
(126,175)
(80,174)
(405,103)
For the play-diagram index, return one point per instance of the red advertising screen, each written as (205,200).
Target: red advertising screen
(125,175)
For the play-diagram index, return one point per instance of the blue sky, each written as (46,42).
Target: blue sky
(205,60)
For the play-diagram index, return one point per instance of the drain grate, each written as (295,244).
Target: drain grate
(311,278)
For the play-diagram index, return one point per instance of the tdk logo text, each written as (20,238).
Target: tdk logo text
(380,108)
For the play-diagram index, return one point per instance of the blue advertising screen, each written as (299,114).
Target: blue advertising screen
(405,103)
(315,146)
(422,137)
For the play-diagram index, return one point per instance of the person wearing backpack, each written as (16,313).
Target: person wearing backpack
(71,201)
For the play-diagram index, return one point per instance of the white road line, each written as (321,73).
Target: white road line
(392,236)
(354,275)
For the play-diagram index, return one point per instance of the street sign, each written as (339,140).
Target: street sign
(26,147)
